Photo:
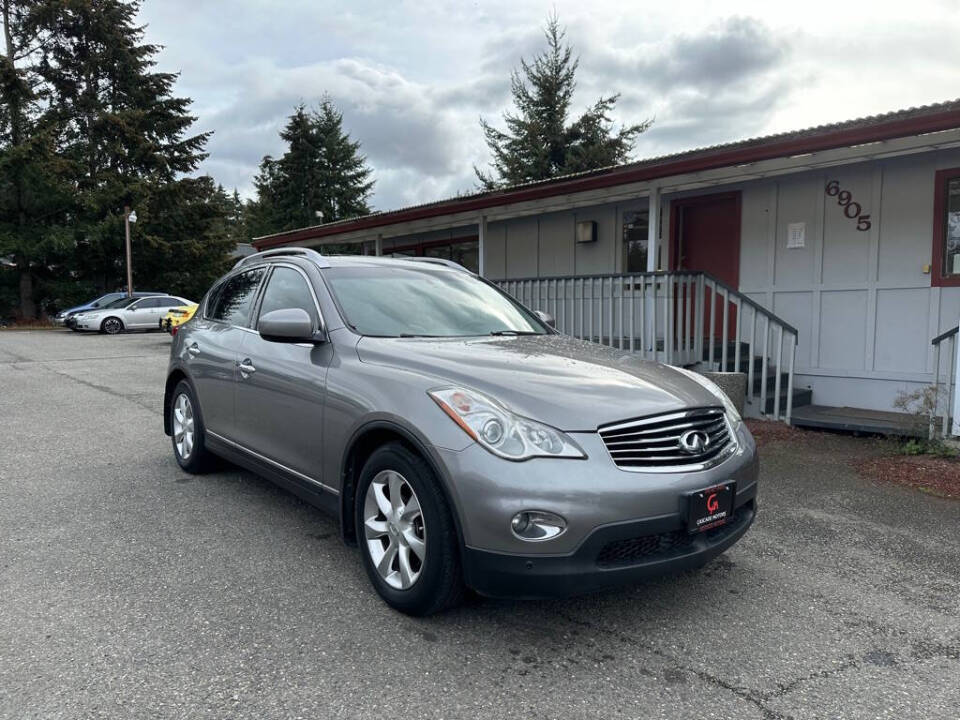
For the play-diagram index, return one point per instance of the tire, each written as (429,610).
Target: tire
(190,450)
(111,326)
(438,582)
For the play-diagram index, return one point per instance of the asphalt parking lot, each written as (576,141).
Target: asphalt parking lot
(128,589)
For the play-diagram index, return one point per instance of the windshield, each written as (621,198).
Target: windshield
(105,299)
(392,301)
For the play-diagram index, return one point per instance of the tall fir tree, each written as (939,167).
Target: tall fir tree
(539,142)
(322,176)
(125,134)
(33,194)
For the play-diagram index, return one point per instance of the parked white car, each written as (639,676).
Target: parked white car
(136,313)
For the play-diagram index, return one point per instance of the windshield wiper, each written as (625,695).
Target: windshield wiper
(514,332)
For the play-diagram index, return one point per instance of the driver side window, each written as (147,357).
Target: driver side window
(288,289)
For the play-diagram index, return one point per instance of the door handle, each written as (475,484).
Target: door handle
(246,367)
(194,350)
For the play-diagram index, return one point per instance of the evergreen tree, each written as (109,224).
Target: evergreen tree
(33,197)
(538,143)
(121,128)
(322,171)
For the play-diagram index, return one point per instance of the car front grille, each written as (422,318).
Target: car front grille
(672,442)
(648,548)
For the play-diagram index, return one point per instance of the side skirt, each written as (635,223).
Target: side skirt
(319,498)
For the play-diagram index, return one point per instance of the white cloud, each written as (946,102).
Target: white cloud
(413,78)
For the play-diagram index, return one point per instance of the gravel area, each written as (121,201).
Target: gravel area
(132,590)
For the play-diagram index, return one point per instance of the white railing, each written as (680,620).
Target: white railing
(943,415)
(666,316)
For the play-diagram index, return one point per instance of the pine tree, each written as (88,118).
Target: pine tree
(538,143)
(322,176)
(33,197)
(121,128)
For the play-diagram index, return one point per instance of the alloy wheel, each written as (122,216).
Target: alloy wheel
(112,326)
(183,425)
(394,530)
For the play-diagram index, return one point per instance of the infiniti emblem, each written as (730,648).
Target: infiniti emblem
(694,442)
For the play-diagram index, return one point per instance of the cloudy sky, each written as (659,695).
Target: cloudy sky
(413,78)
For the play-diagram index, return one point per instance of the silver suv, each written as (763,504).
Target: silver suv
(461,440)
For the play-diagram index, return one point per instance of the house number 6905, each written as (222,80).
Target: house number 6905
(851,208)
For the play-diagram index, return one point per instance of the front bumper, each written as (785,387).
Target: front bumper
(611,556)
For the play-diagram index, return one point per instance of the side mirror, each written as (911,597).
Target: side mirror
(289,325)
(546,318)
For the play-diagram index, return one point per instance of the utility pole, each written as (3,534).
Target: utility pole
(129,217)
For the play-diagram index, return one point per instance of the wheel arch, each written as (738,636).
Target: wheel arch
(364,441)
(173,379)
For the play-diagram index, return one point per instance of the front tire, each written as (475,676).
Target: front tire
(406,533)
(187,431)
(111,326)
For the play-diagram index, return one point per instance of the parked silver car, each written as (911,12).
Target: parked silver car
(128,313)
(461,441)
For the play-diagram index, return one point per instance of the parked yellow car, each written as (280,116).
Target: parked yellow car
(177,317)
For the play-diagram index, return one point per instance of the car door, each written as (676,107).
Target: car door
(138,315)
(211,348)
(281,386)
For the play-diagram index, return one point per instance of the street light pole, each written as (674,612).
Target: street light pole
(129,217)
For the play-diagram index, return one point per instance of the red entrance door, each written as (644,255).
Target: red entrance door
(705,234)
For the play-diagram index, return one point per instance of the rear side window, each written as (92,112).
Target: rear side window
(234,298)
(170,302)
(287,288)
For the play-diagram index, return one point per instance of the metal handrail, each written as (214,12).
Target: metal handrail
(667,316)
(754,305)
(938,413)
(943,336)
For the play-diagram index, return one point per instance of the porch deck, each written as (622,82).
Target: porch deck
(859,420)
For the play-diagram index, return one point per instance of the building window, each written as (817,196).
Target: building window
(635,236)
(946,228)
(464,251)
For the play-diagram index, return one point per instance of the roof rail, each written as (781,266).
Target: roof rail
(319,259)
(439,261)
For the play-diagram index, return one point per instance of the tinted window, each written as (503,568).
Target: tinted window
(235,297)
(394,301)
(170,302)
(122,302)
(148,303)
(288,289)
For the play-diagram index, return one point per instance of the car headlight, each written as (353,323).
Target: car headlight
(500,431)
(713,388)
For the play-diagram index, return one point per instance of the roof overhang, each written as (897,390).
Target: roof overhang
(899,133)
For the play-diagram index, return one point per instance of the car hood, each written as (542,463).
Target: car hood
(570,384)
(74,310)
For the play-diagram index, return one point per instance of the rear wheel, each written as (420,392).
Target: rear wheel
(187,433)
(111,326)
(406,533)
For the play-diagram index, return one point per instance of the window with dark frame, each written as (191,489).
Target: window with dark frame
(636,225)
(946,228)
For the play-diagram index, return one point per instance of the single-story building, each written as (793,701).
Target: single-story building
(825,260)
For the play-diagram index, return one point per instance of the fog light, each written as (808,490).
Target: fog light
(537,525)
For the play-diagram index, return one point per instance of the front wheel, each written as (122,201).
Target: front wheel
(111,326)
(406,533)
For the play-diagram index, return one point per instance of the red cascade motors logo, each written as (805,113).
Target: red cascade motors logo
(712,503)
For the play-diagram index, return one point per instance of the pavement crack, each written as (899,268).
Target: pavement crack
(748,695)
(785,688)
(105,389)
